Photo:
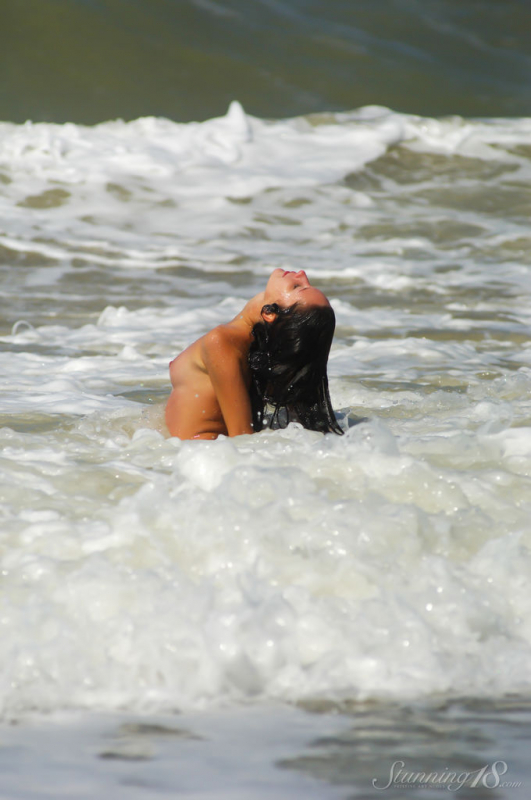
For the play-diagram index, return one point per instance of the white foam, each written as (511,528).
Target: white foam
(285,565)
(153,193)
(143,572)
(235,155)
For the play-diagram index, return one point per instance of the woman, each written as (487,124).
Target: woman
(271,357)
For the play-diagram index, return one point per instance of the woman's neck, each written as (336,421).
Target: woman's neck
(251,313)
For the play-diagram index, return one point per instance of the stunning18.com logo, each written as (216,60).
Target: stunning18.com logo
(488,776)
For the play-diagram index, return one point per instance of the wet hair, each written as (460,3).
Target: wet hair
(288,358)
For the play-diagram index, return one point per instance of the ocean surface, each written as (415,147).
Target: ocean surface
(92,60)
(284,615)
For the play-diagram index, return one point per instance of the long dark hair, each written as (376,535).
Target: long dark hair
(288,358)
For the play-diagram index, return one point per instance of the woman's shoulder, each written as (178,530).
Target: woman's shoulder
(223,337)
(224,345)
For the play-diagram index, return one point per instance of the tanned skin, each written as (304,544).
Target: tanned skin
(211,378)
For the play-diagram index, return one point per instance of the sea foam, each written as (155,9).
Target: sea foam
(141,572)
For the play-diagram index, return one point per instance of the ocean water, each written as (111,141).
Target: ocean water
(288,579)
(286,614)
(92,60)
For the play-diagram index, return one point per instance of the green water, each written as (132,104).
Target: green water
(87,61)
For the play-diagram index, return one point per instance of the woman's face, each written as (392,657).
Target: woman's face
(286,288)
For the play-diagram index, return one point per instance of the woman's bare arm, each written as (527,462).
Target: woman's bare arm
(226,366)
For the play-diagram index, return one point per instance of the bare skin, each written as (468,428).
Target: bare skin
(211,378)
